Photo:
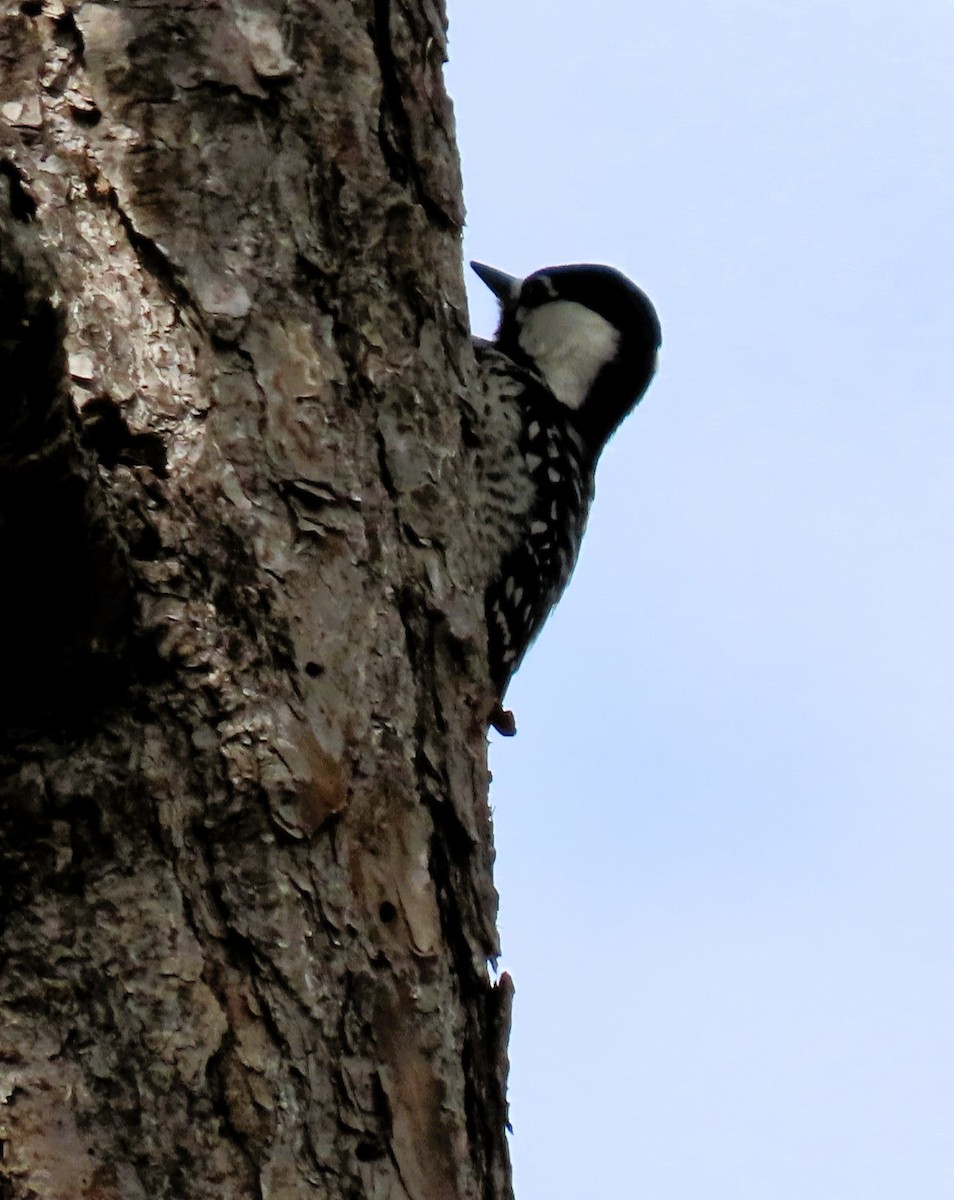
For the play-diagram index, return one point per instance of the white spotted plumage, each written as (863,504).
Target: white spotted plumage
(574,352)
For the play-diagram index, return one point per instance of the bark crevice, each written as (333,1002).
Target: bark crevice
(65,603)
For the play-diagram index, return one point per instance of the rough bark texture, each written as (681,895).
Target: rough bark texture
(246,904)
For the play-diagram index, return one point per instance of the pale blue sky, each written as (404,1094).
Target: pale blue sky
(725,830)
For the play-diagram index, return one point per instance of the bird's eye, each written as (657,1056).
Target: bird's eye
(536,292)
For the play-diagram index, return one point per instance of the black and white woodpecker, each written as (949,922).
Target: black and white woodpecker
(574,352)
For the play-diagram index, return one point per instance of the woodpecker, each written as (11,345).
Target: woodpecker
(574,352)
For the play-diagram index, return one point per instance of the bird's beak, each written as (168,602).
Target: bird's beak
(505,287)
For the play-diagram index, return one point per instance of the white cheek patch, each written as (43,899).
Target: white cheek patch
(570,345)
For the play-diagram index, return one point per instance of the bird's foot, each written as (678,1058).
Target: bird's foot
(502,719)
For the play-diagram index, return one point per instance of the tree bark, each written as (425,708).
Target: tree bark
(246,905)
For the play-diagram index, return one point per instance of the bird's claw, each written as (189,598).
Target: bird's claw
(502,719)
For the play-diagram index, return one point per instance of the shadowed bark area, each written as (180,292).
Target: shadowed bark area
(64,599)
(246,904)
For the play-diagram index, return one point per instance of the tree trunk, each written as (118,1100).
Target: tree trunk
(246,905)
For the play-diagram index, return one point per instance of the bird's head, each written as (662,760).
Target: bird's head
(588,332)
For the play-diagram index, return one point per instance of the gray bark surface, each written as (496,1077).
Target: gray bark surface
(246,904)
